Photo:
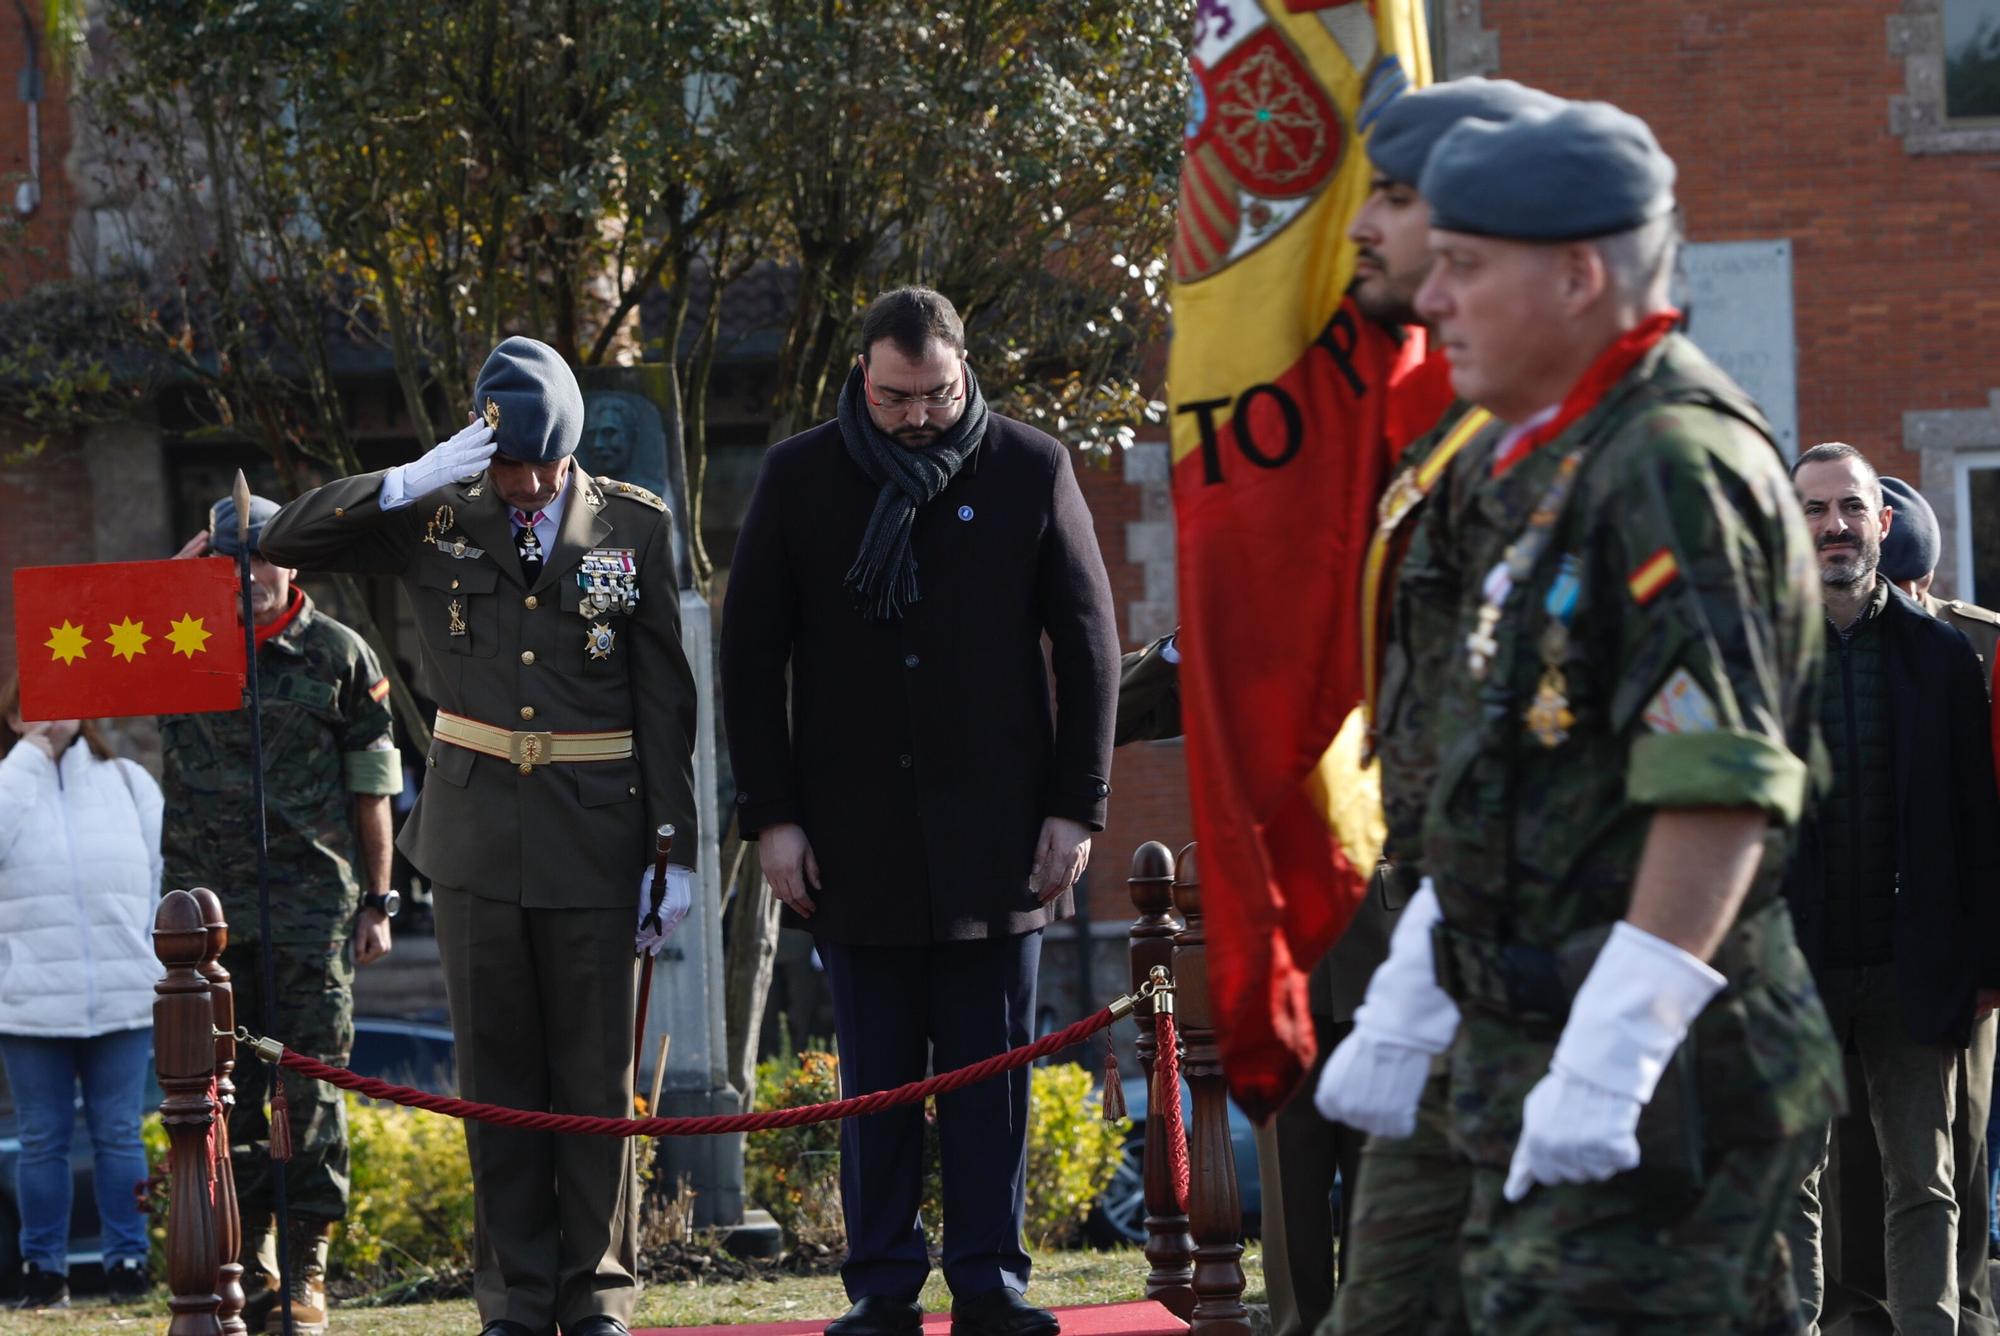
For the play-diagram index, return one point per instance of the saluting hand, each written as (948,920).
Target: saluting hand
(787,859)
(1061,855)
(196,546)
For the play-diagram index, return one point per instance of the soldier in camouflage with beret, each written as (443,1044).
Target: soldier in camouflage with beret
(1636,1059)
(330,768)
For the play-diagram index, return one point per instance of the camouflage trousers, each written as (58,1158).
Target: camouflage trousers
(1399,1261)
(315,1015)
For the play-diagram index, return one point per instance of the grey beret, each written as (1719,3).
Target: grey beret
(1910,548)
(1584,170)
(529,396)
(1410,126)
(222,524)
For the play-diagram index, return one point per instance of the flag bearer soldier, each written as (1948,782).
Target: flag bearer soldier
(330,768)
(549,614)
(1617,741)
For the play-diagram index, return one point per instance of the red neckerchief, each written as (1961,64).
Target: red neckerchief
(284,619)
(1611,366)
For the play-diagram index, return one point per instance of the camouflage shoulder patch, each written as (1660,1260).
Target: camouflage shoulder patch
(380,691)
(612,487)
(1652,576)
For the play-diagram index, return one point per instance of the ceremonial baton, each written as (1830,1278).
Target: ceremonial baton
(266,972)
(652,920)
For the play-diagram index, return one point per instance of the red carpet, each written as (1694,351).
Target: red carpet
(1144,1318)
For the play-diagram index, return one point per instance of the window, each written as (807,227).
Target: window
(1979,537)
(1972,60)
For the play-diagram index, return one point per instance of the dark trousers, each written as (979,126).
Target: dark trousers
(1298,1154)
(899,1012)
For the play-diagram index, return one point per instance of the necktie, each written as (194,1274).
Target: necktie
(528,545)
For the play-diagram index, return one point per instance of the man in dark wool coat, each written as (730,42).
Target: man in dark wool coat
(925,806)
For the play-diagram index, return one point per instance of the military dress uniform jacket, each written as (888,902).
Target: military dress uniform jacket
(1660,652)
(327,737)
(923,754)
(1149,695)
(520,656)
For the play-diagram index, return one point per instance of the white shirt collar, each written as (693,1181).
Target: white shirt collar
(551,522)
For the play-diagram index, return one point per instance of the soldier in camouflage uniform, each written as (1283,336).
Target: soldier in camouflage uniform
(1637,1060)
(1403,1193)
(330,767)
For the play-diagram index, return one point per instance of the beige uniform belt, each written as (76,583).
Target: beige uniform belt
(528,750)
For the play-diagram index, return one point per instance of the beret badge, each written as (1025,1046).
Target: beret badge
(492,414)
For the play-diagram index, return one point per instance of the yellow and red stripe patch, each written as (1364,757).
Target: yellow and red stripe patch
(380,691)
(1654,574)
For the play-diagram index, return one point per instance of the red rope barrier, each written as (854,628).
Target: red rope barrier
(712,1124)
(1167,1071)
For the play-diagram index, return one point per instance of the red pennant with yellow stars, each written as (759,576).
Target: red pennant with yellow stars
(128,637)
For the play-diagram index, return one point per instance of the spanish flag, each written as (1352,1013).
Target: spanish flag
(128,637)
(1278,385)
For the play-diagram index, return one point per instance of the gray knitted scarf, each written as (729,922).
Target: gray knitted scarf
(883,577)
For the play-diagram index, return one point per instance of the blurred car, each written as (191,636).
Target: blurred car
(1119,1216)
(412,1053)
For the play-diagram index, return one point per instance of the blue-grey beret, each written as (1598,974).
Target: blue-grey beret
(529,396)
(1584,170)
(1910,548)
(1410,126)
(222,524)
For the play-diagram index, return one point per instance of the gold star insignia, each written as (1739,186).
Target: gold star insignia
(187,636)
(66,642)
(128,639)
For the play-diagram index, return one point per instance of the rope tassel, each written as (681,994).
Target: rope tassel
(281,1120)
(1114,1089)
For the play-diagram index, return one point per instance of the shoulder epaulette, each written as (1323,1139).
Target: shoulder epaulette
(613,487)
(1972,612)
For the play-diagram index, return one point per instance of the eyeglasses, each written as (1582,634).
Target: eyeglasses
(895,403)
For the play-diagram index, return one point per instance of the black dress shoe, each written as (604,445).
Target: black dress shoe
(597,1324)
(1001,1312)
(879,1315)
(501,1326)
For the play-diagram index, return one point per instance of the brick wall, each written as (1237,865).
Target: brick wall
(47,505)
(1777,113)
(37,249)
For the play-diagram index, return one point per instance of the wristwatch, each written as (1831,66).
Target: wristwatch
(386,903)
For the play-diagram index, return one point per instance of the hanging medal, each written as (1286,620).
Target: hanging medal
(1549,717)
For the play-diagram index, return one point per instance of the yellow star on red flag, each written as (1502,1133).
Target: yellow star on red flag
(127,639)
(66,642)
(187,636)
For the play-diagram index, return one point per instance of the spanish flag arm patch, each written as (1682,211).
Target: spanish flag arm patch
(1652,576)
(379,692)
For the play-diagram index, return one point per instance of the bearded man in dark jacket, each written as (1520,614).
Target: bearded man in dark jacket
(925,805)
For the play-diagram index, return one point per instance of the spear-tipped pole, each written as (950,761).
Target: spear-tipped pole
(267,973)
(663,846)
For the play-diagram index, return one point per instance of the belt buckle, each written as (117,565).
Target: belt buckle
(528,750)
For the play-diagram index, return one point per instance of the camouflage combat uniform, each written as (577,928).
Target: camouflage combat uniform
(1657,651)
(327,738)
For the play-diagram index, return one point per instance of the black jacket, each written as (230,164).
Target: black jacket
(1947,822)
(922,755)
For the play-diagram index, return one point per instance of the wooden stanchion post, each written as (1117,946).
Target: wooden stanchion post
(184,1054)
(1215,1213)
(228,1218)
(1169,1249)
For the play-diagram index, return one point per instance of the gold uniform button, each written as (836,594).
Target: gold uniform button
(634,790)
(527,656)
(527,712)
(527,769)
(532,602)
(454,584)
(339,511)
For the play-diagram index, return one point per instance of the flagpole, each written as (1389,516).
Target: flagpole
(280,1214)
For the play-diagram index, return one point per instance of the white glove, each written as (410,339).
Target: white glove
(674,906)
(460,457)
(1376,1075)
(1581,1122)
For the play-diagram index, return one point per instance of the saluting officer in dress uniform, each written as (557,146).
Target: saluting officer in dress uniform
(549,615)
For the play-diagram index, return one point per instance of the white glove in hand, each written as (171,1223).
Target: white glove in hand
(673,908)
(460,457)
(1580,1123)
(1376,1075)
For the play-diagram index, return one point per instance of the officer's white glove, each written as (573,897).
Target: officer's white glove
(1581,1122)
(460,457)
(1376,1075)
(654,932)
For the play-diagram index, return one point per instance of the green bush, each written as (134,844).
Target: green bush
(794,1174)
(410,1201)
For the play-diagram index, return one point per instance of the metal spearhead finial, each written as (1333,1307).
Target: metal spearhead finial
(242,494)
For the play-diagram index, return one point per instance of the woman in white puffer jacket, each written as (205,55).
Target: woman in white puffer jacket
(79,880)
